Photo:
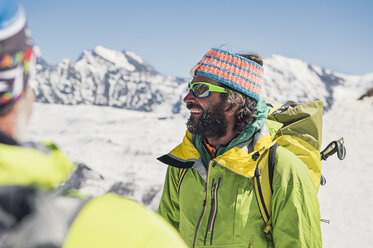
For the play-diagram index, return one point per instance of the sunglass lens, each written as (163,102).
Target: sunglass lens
(201,90)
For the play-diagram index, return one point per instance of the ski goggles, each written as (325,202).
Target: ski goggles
(11,84)
(203,90)
(16,70)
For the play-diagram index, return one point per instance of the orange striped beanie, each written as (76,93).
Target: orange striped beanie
(237,72)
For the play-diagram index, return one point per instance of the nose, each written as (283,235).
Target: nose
(189,97)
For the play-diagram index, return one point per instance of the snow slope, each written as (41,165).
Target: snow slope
(119,145)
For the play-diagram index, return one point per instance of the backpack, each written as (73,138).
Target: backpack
(298,128)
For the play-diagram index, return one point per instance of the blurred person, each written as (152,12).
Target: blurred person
(50,220)
(209,194)
(32,214)
(38,164)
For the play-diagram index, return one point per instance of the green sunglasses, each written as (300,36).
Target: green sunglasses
(203,90)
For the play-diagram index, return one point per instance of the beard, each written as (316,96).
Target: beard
(212,123)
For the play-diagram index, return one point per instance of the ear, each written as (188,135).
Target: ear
(232,108)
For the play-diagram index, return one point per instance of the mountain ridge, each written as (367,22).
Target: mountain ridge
(122,79)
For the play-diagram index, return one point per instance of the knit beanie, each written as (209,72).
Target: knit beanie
(15,54)
(236,72)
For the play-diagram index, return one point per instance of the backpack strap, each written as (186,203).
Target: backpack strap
(271,163)
(263,188)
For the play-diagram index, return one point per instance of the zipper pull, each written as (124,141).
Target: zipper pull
(212,189)
(205,197)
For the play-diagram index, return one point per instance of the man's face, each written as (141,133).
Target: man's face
(207,115)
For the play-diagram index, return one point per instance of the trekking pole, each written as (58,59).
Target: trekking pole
(336,146)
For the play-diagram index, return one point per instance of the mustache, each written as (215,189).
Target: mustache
(193,105)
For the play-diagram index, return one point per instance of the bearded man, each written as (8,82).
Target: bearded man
(205,196)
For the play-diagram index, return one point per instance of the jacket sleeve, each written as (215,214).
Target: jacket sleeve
(169,204)
(295,206)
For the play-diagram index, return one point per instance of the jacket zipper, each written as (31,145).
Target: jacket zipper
(211,210)
(215,210)
(203,209)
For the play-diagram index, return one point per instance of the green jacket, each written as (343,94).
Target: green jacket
(217,206)
(40,165)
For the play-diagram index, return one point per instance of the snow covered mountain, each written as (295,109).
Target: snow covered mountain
(293,79)
(106,77)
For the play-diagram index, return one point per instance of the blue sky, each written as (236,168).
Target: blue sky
(173,35)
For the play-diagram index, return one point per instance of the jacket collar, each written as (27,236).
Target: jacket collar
(241,159)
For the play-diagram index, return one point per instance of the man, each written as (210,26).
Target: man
(208,193)
(31,214)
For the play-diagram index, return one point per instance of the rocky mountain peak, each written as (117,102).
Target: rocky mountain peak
(123,79)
